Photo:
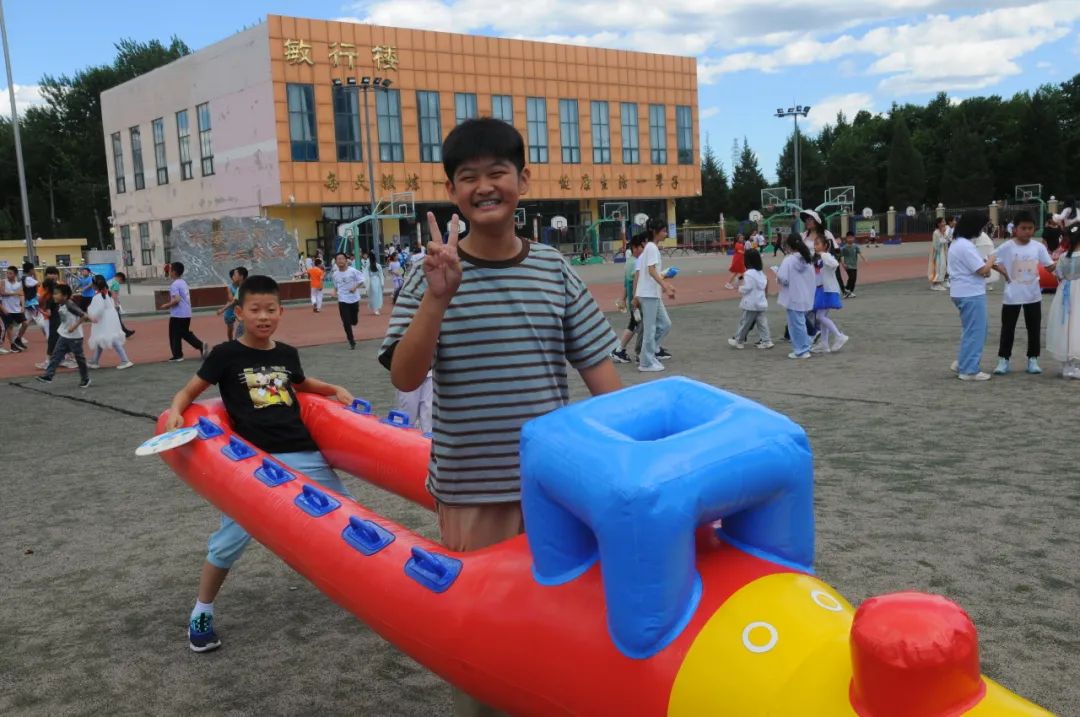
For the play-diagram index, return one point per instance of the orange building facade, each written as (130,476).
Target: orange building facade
(601,127)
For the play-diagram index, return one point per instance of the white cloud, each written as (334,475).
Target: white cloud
(26,96)
(710,112)
(826,109)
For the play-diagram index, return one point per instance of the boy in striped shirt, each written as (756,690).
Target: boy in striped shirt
(496,318)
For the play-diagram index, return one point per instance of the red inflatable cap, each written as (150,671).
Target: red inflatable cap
(914,654)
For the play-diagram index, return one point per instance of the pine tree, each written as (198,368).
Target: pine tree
(715,194)
(905,182)
(747,181)
(966,180)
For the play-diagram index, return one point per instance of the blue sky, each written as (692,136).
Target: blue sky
(752,56)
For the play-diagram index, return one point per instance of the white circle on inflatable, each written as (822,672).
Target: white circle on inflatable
(755,648)
(825,600)
(641,219)
(868,213)
(755,216)
(911,211)
(559,222)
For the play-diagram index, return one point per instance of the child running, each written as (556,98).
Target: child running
(179,306)
(738,261)
(496,318)
(753,304)
(233,328)
(114,288)
(315,279)
(70,336)
(850,254)
(827,298)
(11,309)
(271,425)
(1063,325)
(633,328)
(106,332)
(796,277)
(1018,260)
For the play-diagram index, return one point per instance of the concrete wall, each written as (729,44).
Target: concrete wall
(234,77)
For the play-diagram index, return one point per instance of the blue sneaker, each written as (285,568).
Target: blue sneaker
(201,635)
(1002,367)
(1033,365)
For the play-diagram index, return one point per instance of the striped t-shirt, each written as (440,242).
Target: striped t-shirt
(500,361)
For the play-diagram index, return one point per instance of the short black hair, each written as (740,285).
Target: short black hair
(27,267)
(484,138)
(64,289)
(120,275)
(241,270)
(257,284)
(639,240)
(971,224)
(341,253)
(850,233)
(1023,217)
(318,261)
(752,259)
(52,270)
(13,268)
(177,267)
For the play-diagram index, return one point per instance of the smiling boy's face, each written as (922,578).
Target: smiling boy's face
(487,191)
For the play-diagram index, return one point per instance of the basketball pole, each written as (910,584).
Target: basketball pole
(18,143)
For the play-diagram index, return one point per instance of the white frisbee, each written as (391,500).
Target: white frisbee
(167,441)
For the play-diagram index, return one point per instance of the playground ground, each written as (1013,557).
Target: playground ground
(923,482)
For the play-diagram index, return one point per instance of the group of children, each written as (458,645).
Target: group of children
(1017,261)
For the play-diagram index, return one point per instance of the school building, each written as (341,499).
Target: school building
(274,120)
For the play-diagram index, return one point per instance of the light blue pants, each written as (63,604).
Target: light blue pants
(796,323)
(118,347)
(228,542)
(973,332)
(655,325)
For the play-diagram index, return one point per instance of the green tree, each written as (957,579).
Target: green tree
(853,162)
(64,146)
(747,181)
(906,179)
(966,180)
(812,181)
(705,209)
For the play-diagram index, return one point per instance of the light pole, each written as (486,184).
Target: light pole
(366,85)
(795,112)
(18,143)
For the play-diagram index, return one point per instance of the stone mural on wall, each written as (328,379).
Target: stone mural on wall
(210,248)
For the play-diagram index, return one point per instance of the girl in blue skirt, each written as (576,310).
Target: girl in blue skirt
(827,298)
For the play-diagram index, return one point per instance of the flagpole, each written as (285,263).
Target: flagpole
(18,143)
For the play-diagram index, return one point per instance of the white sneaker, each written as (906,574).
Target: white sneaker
(126,364)
(794,355)
(654,368)
(844,338)
(764,345)
(92,365)
(819,348)
(735,343)
(69,363)
(43,365)
(980,376)
(955,367)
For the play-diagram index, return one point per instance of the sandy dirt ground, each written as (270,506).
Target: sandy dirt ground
(922,482)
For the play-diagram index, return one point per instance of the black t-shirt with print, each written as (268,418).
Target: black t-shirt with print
(257,389)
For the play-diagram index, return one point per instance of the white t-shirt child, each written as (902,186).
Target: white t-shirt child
(647,288)
(1021,263)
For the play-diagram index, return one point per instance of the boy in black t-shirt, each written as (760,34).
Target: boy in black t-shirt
(258,379)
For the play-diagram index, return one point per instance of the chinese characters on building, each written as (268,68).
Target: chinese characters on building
(298,52)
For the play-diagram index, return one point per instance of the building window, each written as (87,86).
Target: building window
(388,111)
(536,122)
(302,132)
(118,162)
(166,239)
(465,106)
(146,248)
(658,134)
(136,158)
(158,128)
(631,153)
(347,125)
(502,108)
(125,244)
(570,131)
(206,147)
(427,107)
(183,138)
(601,133)
(684,129)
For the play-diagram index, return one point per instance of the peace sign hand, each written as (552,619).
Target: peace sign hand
(442,267)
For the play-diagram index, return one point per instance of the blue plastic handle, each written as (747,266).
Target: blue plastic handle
(207,428)
(398,419)
(315,503)
(272,474)
(237,450)
(434,571)
(366,536)
(360,406)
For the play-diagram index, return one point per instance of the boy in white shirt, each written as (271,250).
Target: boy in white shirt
(1018,261)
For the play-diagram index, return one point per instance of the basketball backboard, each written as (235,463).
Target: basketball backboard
(519,217)
(1028,192)
(843,197)
(773,197)
(399,205)
(616,211)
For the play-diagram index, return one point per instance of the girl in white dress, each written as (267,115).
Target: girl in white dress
(106,332)
(937,269)
(1063,324)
